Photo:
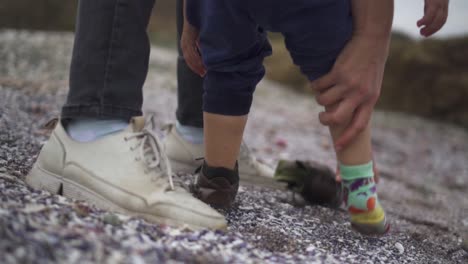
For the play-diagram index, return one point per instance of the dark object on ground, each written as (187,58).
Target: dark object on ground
(315,182)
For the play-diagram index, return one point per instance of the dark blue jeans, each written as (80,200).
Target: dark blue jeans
(233,43)
(110,63)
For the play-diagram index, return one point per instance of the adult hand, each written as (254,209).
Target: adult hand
(351,89)
(190,45)
(435,16)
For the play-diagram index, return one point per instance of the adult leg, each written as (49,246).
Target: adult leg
(189,84)
(124,170)
(108,68)
(110,59)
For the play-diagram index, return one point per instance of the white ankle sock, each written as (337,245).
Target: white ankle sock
(89,129)
(192,134)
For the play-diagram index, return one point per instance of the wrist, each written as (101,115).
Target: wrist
(377,44)
(373,19)
(380,37)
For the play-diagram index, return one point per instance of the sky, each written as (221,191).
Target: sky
(407,12)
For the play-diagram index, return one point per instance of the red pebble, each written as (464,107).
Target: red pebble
(282,143)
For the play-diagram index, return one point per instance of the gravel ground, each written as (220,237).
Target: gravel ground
(423,186)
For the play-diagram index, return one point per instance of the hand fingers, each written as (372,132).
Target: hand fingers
(194,61)
(331,108)
(191,63)
(198,49)
(429,14)
(359,122)
(338,174)
(435,25)
(331,96)
(341,114)
(198,45)
(324,82)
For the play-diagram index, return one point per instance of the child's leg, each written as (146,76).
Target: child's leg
(232,49)
(359,151)
(223,137)
(315,50)
(360,193)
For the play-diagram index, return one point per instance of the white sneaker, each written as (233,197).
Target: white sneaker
(126,172)
(187,157)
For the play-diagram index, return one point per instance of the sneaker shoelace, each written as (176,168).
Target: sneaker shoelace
(152,153)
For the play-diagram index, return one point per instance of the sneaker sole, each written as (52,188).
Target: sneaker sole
(369,231)
(39,178)
(215,198)
(245,179)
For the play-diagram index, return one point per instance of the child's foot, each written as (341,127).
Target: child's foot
(360,197)
(217,186)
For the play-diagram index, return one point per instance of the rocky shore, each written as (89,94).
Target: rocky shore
(424,181)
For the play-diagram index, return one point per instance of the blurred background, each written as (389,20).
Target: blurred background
(426,77)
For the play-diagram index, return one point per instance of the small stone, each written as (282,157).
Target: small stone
(111,219)
(269,150)
(81,210)
(34,208)
(246,208)
(282,143)
(400,248)
(464,244)
(325,143)
(465,222)
(310,248)
(284,155)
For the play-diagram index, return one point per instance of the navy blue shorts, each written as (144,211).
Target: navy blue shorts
(233,43)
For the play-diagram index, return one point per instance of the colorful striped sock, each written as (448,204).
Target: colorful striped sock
(361,200)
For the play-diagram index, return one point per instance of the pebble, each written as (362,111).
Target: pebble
(465,222)
(400,248)
(81,210)
(282,143)
(111,219)
(464,244)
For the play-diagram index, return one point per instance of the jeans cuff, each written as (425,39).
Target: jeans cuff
(227,104)
(189,119)
(99,111)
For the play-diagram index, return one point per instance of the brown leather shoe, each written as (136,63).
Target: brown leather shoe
(217,186)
